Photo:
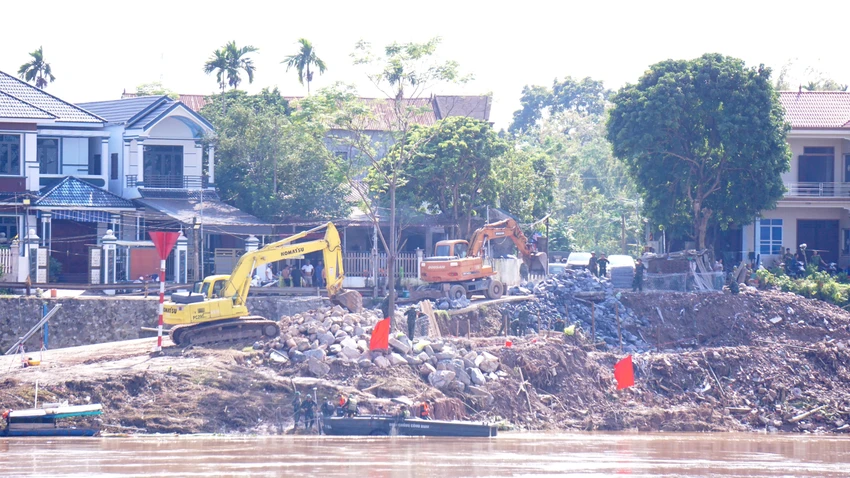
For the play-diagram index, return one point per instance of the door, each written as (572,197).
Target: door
(164,166)
(70,248)
(820,235)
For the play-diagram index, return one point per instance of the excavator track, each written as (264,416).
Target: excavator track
(226,330)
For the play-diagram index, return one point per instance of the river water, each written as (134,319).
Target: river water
(510,454)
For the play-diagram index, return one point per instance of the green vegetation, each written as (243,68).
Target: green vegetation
(228,62)
(303,60)
(696,136)
(816,285)
(37,70)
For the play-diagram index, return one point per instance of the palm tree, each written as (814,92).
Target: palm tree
(227,61)
(218,64)
(302,60)
(37,70)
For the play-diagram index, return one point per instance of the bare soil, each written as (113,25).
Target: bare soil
(758,360)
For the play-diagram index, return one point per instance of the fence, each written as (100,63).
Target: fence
(361,264)
(8,260)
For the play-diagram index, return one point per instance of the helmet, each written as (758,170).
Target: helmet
(297,393)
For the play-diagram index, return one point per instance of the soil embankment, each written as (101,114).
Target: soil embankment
(713,362)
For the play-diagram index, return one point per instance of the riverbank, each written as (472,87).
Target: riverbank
(715,362)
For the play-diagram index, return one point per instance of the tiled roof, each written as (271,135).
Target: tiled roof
(62,110)
(75,193)
(150,115)
(11,107)
(816,109)
(123,110)
(194,102)
(477,107)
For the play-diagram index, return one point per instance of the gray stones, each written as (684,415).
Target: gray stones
(317,354)
(317,367)
(396,359)
(350,353)
(441,378)
(426,369)
(476,376)
(381,362)
(399,345)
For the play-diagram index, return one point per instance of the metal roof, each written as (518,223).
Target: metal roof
(816,109)
(75,193)
(62,110)
(11,107)
(214,215)
(476,107)
(123,110)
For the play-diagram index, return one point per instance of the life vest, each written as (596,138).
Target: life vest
(341,401)
(424,411)
(352,404)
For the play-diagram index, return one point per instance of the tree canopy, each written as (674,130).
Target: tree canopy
(704,140)
(303,60)
(586,96)
(37,70)
(155,88)
(272,161)
(228,62)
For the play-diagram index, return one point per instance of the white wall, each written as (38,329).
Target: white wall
(798,144)
(789,218)
(173,132)
(75,156)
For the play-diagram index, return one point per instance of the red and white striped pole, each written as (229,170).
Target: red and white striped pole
(161,302)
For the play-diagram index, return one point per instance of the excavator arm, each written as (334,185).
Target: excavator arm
(507,228)
(239,284)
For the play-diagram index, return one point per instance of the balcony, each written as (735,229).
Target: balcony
(156,181)
(817,190)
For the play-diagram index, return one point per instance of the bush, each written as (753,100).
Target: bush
(816,285)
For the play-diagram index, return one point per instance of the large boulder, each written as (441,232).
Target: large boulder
(399,345)
(350,353)
(296,356)
(490,363)
(326,338)
(351,300)
(318,368)
(348,342)
(426,369)
(476,376)
(381,362)
(441,378)
(317,354)
(334,349)
(397,359)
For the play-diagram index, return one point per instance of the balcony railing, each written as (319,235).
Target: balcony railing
(161,181)
(814,190)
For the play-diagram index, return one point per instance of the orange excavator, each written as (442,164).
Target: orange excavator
(458,269)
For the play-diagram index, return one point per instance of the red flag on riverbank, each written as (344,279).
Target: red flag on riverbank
(624,373)
(380,336)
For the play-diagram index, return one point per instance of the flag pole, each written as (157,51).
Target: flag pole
(161,305)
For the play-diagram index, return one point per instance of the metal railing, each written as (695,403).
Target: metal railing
(167,181)
(360,264)
(829,190)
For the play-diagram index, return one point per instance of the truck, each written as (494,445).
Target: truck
(215,311)
(458,268)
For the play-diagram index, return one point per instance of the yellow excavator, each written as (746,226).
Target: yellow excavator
(215,310)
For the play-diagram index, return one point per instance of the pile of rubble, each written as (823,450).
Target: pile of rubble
(321,337)
(579,297)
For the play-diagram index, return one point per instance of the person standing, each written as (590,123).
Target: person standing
(309,409)
(592,266)
(637,283)
(412,314)
(296,409)
(424,411)
(286,276)
(320,271)
(307,273)
(603,266)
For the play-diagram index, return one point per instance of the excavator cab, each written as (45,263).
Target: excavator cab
(457,249)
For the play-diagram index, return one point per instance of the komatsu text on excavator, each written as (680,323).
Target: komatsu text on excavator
(458,269)
(215,311)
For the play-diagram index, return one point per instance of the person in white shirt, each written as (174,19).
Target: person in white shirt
(307,274)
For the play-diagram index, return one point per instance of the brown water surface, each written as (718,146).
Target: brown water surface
(510,454)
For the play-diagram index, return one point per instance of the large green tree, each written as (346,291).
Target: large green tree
(524,183)
(228,63)
(272,161)
(37,70)
(586,96)
(303,60)
(704,140)
(450,163)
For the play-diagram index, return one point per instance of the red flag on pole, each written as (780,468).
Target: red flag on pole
(164,242)
(380,336)
(624,373)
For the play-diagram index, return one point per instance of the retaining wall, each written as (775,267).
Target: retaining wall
(91,320)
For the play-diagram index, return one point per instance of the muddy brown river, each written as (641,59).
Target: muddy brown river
(510,454)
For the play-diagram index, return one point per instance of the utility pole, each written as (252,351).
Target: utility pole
(623,232)
(196,228)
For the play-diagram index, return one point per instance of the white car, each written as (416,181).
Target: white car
(578,260)
(556,267)
(621,269)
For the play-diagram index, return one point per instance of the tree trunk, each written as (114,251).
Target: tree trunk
(701,216)
(308,79)
(455,214)
(391,257)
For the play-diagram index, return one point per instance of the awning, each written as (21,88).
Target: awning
(216,216)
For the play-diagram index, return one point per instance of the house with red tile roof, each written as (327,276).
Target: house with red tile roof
(816,208)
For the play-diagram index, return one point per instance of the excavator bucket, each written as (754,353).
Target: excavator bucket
(539,263)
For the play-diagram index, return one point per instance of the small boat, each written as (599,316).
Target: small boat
(41,422)
(378,425)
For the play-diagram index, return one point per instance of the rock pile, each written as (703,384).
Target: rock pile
(318,338)
(576,296)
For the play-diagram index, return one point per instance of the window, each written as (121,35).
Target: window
(113,166)
(771,237)
(817,165)
(164,166)
(8,229)
(94,165)
(10,154)
(48,155)
(847,168)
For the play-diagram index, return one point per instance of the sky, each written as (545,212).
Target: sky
(98,49)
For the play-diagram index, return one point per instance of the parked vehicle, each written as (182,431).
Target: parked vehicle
(557,267)
(578,260)
(621,269)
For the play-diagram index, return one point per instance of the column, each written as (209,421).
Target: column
(140,158)
(31,242)
(108,243)
(211,165)
(181,260)
(29,162)
(45,228)
(115,224)
(419,259)
(251,245)
(104,161)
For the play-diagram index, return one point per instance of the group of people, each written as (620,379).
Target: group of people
(598,266)
(305,409)
(305,276)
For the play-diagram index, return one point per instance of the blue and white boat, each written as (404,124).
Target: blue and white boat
(42,422)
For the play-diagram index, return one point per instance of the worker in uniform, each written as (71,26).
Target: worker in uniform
(327,409)
(351,407)
(412,314)
(603,266)
(340,406)
(593,265)
(296,409)
(637,283)
(309,409)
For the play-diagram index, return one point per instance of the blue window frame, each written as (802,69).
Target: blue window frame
(770,242)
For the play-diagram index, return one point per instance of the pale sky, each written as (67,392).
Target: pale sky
(99,48)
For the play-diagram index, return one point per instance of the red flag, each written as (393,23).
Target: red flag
(380,336)
(164,242)
(624,373)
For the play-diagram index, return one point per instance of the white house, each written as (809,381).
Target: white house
(816,208)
